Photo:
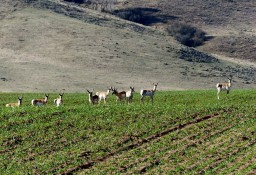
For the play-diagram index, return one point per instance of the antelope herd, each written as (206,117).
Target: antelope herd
(120,95)
(93,98)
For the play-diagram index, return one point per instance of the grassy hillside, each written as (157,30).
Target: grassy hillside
(51,46)
(187,132)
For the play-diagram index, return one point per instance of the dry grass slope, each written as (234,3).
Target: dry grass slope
(52,46)
(232,23)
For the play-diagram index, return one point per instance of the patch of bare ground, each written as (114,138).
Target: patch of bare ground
(238,47)
(9,6)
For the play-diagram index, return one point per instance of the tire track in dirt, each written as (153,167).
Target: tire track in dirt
(136,144)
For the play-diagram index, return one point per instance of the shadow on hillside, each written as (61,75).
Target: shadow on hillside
(145,16)
(76,1)
(209,37)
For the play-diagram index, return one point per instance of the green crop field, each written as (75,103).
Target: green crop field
(183,132)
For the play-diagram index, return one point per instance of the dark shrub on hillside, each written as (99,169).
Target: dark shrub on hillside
(134,15)
(187,35)
(29,1)
(76,1)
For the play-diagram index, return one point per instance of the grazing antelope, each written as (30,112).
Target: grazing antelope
(59,101)
(40,102)
(18,104)
(119,95)
(223,87)
(129,94)
(93,99)
(103,95)
(149,93)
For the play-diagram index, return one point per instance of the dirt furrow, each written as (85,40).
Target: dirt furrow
(137,161)
(207,157)
(49,151)
(136,144)
(176,142)
(209,144)
(216,161)
(14,143)
(220,159)
(34,145)
(252,172)
(192,143)
(241,165)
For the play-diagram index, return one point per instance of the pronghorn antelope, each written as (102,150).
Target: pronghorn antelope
(149,93)
(223,87)
(129,94)
(40,102)
(103,95)
(93,99)
(18,104)
(59,101)
(119,95)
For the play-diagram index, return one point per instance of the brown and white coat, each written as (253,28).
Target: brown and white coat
(223,87)
(103,95)
(40,102)
(18,104)
(149,93)
(59,101)
(119,95)
(93,99)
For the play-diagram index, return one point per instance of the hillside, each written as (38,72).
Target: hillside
(56,46)
(231,23)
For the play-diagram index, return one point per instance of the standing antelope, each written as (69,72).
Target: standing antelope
(103,95)
(93,99)
(129,94)
(18,104)
(119,95)
(40,102)
(223,87)
(59,101)
(149,93)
